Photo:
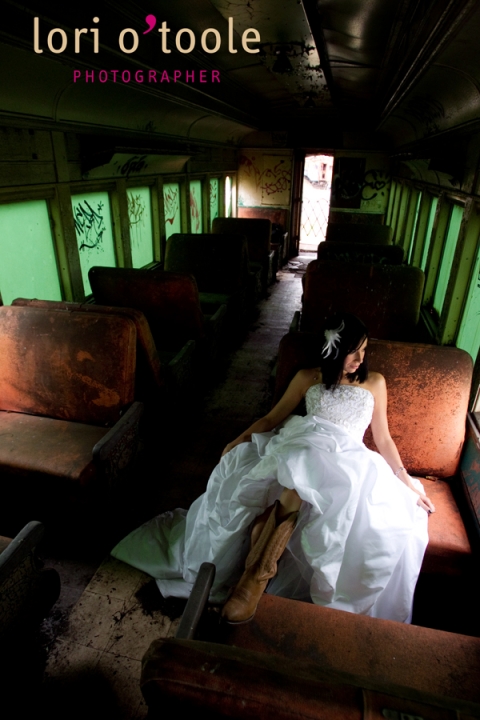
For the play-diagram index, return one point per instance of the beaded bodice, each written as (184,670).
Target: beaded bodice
(350,406)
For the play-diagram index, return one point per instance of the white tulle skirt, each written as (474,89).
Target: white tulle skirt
(358,544)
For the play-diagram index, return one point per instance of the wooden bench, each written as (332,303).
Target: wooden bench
(68,422)
(386,297)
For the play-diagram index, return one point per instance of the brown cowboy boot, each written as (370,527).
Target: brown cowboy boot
(260,566)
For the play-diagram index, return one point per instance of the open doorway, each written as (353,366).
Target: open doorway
(317,182)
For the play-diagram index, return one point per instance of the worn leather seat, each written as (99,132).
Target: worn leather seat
(387,297)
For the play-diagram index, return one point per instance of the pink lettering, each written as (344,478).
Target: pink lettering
(216,75)
(190,76)
(114,73)
(176,75)
(103,76)
(152,76)
(165,77)
(76,74)
(126,76)
(89,75)
(203,77)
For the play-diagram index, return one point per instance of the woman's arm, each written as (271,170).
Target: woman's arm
(288,402)
(383,439)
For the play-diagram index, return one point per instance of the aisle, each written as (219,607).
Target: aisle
(241,396)
(95,646)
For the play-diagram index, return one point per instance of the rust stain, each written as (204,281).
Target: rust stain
(83,355)
(107,397)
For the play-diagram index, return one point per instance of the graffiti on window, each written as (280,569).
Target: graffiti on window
(213,195)
(171,204)
(89,225)
(194,212)
(136,212)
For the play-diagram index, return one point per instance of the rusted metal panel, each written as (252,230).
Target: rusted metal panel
(168,300)
(69,366)
(428,389)
(375,651)
(54,448)
(387,297)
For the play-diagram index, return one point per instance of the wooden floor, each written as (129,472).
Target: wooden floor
(106,618)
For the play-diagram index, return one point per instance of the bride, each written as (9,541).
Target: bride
(346,525)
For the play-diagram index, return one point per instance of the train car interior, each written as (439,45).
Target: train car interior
(187,191)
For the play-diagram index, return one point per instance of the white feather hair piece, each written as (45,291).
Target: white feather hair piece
(332,338)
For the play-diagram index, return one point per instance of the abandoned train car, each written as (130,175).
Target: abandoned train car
(167,172)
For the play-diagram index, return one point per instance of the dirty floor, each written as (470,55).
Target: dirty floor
(108,613)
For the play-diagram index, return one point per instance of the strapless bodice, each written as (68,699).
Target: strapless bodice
(350,406)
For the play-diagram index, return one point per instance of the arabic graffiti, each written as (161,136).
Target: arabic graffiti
(89,225)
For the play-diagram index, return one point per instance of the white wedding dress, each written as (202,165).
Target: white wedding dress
(360,537)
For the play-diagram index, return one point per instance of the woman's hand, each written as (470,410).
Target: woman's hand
(228,447)
(425,503)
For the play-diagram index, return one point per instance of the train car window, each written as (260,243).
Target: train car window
(400,215)
(428,233)
(94,232)
(140,223)
(449,245)
(421,227)
(391,202)
(228,196)
(469,332)
(196,208)
(171,203)
(214,199)
(29,263)
(412,221)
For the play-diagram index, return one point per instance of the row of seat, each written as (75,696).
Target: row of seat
(76,378)
(366,278)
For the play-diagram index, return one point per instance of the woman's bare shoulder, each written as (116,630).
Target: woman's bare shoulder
(375,383)
(375,378)
(308,377)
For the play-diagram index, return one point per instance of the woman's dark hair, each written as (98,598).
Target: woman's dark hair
(349,338)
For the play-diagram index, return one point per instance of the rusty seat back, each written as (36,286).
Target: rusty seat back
(149,375)
(168,300)
(428,393)
(369,253)
(387,297)
(357,232)
(258,232)
(71,366)
(219,263)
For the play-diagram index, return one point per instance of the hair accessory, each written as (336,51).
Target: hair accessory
(332,338)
